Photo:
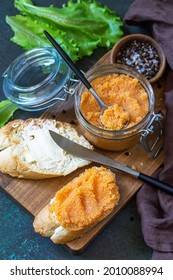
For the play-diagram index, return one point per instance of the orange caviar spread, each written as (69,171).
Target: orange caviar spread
(126,93)
(115,117)
(86,199)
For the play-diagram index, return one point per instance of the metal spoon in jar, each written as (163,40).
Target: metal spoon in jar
(80,75)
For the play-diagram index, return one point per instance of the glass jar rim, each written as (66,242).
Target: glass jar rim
(29,54)
(45,87)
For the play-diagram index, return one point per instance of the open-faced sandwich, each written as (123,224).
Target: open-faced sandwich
(79,205)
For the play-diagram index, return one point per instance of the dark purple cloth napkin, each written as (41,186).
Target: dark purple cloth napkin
(156,207)
(160,14)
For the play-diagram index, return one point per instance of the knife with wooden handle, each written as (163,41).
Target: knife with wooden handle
(85,153)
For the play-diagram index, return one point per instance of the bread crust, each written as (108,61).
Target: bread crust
(20,158)
(44,222)
(7,132)
(46,225)
(8,162)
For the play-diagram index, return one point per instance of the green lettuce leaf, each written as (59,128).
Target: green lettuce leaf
(6,111)
(28,34)
(78,27)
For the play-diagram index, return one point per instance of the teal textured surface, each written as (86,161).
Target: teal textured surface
(121,239)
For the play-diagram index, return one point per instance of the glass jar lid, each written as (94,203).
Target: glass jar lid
(37,79)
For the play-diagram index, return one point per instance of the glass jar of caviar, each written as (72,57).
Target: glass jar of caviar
(118,140)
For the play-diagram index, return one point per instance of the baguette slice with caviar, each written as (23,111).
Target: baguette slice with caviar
(79,205)
(28,151)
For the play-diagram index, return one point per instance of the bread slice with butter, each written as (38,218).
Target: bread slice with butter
(79,205)
(28,151)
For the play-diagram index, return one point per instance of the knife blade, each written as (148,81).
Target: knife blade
(88,154)
(91,155)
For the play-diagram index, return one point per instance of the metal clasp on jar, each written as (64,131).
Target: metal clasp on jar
(67,90)
(151,137)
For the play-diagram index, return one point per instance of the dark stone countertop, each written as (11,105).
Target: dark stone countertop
(121,239)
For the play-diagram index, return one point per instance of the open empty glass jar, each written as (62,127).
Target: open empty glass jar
(37,79)
(117,140)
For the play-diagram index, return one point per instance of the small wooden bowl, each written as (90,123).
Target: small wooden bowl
(122,43)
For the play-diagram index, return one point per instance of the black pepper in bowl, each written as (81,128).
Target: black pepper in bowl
(141,52)
(141,56)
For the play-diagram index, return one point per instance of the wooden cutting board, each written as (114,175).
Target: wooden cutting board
(33,195)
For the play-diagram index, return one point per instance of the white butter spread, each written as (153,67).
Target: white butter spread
(59,233)
(41,148)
